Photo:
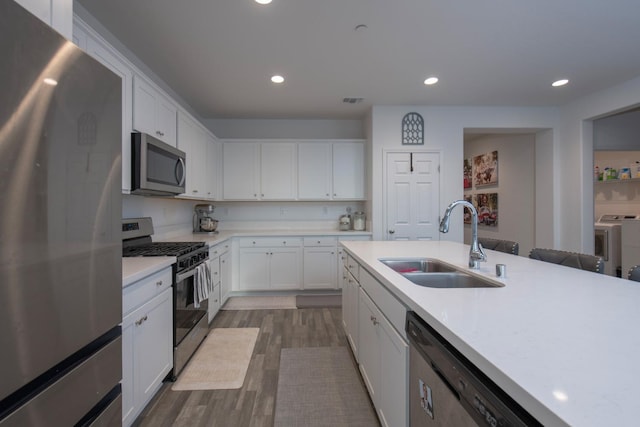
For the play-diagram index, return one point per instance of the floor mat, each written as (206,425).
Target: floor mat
(320,386)
(221,362)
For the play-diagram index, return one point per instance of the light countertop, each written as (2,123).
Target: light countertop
(214,239)
(562,342)
(136,268)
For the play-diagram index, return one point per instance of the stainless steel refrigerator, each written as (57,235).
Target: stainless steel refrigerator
(60,242)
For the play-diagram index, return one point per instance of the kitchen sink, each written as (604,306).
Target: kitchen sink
(414,265)
(433,273)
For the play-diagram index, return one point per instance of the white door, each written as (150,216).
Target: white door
(413,194)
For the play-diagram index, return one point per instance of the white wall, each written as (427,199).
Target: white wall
(515,187)
(293,128)
(574,157)
(618,132)
(444,130)
(173,217)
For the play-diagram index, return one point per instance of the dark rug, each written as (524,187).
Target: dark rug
(320,387)
(318,301)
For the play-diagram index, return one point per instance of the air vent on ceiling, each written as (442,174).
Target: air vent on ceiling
(352,100)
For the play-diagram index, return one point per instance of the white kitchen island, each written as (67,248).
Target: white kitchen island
(562,342)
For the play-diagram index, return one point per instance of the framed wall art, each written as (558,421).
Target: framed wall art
(487,206)
(485,169)
(467,170)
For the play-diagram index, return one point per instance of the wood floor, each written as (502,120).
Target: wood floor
(254,403)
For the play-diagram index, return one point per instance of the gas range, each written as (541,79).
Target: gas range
(136,242)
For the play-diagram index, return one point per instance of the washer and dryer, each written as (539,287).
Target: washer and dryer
(608,242)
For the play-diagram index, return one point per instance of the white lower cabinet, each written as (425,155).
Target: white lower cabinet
(271,263)
(350,290)
(225,277)
(383,361)
(218,264)
(147,341)
(320,263)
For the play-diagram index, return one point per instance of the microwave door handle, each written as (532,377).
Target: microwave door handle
(183,276)
(183,176)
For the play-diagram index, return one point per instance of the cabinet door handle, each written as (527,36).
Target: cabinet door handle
(159,283)
(141,320)
(374,320)
(392,231)
(195,191)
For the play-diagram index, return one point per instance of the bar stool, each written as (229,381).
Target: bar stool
(569,259)
(506,246)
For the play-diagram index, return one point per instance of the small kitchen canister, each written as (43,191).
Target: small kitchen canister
(359,221)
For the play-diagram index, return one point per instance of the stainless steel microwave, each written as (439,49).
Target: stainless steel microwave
(157,169)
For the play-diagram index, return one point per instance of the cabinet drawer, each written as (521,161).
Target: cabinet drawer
(270,242)
(354,267)
(393,309)
(320,241)
(218,249)
(143,290)
(214,265)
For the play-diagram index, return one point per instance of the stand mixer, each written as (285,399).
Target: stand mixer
(203,221)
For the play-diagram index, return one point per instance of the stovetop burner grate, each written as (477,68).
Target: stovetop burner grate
(162,249)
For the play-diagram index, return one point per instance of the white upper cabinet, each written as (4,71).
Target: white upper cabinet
(314,171)
(278,171)
(202,158)
(283,170)
(58,14)
(348,171)
(211,174)
(153,113)
(241,170)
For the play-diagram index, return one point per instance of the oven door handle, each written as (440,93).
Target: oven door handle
(182,276)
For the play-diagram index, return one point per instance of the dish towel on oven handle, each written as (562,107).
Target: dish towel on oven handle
(202,284)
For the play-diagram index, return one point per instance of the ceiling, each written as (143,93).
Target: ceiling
(219,55)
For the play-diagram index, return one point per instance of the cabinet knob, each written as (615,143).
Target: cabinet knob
(195,191)
(255,195)
(327,194)
(374,320)
(159,283)
(392,231)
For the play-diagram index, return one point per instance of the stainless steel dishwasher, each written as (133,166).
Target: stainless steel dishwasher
(446,389)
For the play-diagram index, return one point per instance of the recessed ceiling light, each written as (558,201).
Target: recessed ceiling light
(431,81)
(277,79)
(263,1)
(50,81)
(559,83)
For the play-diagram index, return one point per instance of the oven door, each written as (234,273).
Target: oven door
(190,322)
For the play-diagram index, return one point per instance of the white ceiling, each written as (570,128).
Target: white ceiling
(220,54)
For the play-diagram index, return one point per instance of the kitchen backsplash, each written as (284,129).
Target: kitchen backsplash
(173,217)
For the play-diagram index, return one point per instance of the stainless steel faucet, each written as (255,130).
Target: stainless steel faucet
(476,253)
